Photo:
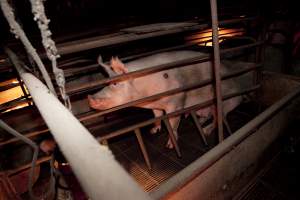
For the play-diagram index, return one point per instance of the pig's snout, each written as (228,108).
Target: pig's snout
(98,103)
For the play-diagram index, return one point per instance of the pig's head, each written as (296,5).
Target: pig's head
(116,93)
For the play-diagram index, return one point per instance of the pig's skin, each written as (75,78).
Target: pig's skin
(133,89)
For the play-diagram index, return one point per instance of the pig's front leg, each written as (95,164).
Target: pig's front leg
(157,124)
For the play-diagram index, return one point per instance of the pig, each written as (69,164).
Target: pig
(132,89)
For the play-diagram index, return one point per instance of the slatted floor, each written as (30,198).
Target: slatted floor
(165,162)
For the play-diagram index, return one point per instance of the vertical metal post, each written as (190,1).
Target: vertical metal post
(217,63)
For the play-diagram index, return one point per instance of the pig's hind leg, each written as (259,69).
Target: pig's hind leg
(157,124)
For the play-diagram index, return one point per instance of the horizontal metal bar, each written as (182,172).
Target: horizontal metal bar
(175,113)
(143,72)
(9,86)
(21,168)
(150,98)
(28,135)
(170,92)
(91,162)
(96,42)
(212,156)
(14,102)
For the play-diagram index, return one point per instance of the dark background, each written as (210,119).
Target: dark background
(70,16)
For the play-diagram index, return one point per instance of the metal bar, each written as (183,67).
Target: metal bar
(139,101)
(9,105)
(174,114)
(217,64)
(143,72)
(143,147)
(28,135)
(35,153)
(81,149)
(200,130)
(227,125)
(96,42)
(8,86)
(208,159)
(21,168)
(170,92)
(19,32)
(172,136)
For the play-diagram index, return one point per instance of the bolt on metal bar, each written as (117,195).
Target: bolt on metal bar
(217,64)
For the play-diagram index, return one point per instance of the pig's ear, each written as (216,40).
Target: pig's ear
(118,66)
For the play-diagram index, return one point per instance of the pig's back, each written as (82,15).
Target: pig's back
(161,58)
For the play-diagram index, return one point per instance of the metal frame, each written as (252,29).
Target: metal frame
(83,173)
(79,147)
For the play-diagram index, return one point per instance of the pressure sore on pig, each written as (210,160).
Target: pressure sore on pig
(136,88)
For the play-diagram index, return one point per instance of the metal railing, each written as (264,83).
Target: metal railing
(80,148)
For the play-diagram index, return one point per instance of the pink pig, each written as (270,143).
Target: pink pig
(136,88)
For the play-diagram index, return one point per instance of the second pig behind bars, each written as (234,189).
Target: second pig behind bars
(132,89)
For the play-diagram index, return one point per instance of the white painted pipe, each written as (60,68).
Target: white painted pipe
(100,175)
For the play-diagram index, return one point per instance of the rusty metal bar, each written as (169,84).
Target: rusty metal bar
(143,72)
(174,114)
(151,98)
(96,42)
(21,168)
(28,135)
(217,66)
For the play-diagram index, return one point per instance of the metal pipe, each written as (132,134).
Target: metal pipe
(21,168)
(139,101)
(217,66)
(18,31)
(91,162)
(174,114)
(34,158)
(99,41)
(170,92)
(212,156)
(143,72)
